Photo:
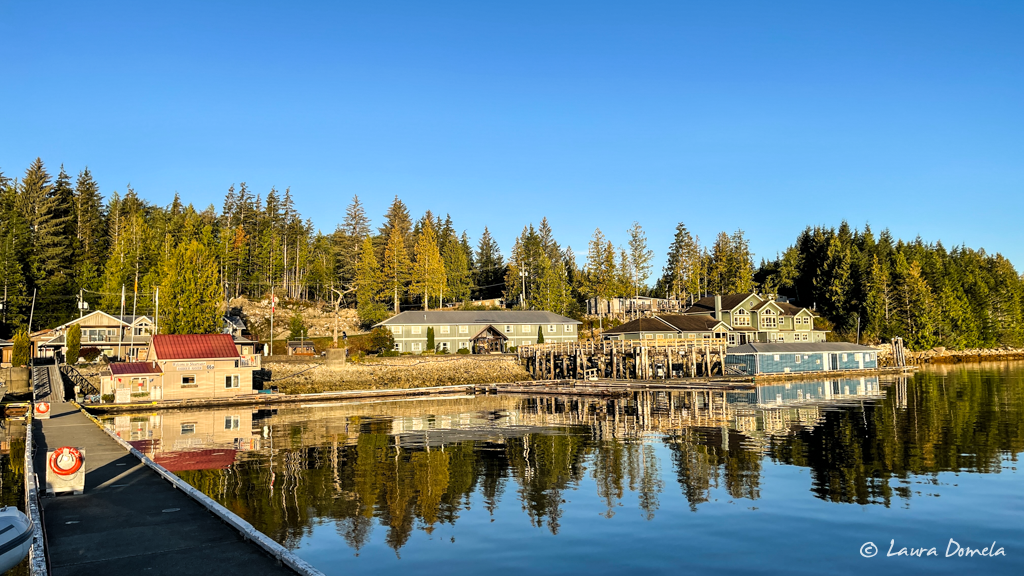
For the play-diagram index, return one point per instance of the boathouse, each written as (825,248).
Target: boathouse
(478,330)
(182,367)
(783,358)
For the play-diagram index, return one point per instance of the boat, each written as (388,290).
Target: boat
(15,537)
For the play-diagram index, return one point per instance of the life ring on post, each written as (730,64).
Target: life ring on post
(42,407)
(65,461)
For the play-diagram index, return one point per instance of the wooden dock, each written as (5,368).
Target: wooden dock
(649,359)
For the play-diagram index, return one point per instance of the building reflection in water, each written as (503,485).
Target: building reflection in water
(404,465)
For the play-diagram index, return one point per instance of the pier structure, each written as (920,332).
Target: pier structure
(649,359)
(134,517)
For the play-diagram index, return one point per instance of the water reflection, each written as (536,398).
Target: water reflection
(416,465)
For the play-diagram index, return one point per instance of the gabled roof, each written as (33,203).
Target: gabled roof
(706,305)
(492,329)
(194,346)
(787,348)
(433,317)
(693,322)
(670,323)
(642,325)
(127,368)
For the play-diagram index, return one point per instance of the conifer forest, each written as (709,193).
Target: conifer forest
(63,236)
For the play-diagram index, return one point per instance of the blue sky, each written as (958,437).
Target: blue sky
(769,116)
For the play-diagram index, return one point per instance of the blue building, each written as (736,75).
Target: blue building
(757,358)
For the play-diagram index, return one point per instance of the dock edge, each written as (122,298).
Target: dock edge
(282,554)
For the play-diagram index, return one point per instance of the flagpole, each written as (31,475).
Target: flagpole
(120,337)
(135,302)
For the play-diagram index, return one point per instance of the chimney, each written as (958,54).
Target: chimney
(718,306)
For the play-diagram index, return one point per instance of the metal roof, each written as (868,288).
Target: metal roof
(477,317)
(790,348)
(198,346)
(125,368)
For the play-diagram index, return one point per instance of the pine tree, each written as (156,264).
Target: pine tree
(601,275)
(396,266)
(639,258)
(55,252)
(456,265)
(429,274)
(89,231)
(914,304)
(15,242)
(368,287)
(489,273)
(681,275)
(192,298)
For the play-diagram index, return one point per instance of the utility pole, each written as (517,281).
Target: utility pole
(273,303)
(522,273)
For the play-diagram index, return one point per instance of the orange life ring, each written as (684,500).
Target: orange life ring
(42,407)
(59,464)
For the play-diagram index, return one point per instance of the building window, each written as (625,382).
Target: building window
(416,329)
(776,358)
(551,328)
(398,346)
(526,328)
(568,327)
(732,339)
(844,357)
(768,319)
(464,345)
(856,357)
(396,329)
(804,338)
(797,359)
(660,337)
(416,346)
(649,336)
(189,381)
(445,346)
(463,329)
(741,318)
(231,381)
(446,329)
(188,428)
(508,329)
(232,423)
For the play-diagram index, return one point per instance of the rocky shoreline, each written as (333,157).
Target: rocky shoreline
(944,356)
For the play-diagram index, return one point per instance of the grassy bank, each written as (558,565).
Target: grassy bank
(401,372)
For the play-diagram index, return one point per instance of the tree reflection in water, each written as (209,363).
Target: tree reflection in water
(415,465)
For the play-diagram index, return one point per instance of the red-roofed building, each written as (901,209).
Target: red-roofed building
(182,367)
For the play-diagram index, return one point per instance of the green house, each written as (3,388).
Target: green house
(480,331)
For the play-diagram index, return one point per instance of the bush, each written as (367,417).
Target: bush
(443,351)
(372,313)
(381,340)
(511,349)
(107,398)
(463,351)
(89,354)
(390,353)
(298,328)
(74,341)
(22,347)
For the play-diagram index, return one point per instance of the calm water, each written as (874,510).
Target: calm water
(789,478)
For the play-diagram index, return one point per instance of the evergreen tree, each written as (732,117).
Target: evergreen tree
(639,258)
(601,275)
(429,277)
(74,343)
(368,287)
(430,339)
(681,275)
(54,253)
(456,266)
(193,298)
(22,349)
(89,231)
(489,274)
(396,266)
(540,335)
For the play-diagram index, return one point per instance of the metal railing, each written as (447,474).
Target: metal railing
(76,378)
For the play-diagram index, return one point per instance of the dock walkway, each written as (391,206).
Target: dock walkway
(129,520)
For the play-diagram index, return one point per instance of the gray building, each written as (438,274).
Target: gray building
(758,358)
(480,331)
